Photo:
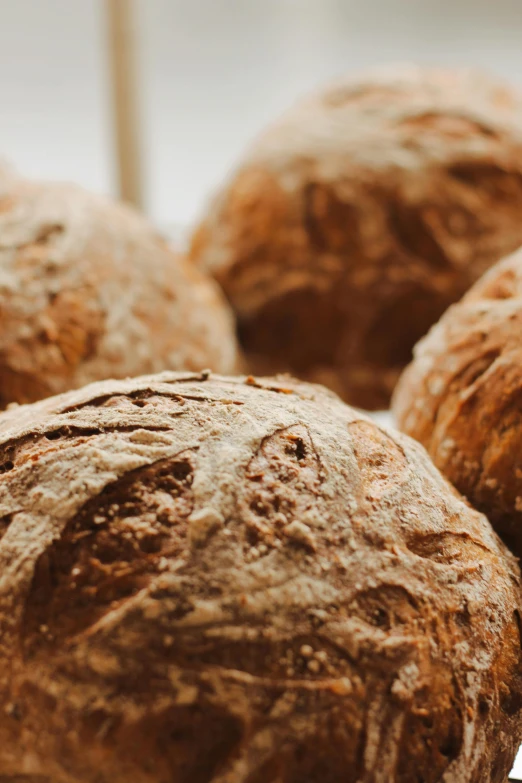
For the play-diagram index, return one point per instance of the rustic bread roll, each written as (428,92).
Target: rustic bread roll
(89,291)
(461,396)
(210,579)
(354,222)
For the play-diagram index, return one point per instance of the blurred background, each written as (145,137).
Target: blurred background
(210,73)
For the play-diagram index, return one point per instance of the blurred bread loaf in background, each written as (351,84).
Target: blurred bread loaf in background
(89,290)
(354,221)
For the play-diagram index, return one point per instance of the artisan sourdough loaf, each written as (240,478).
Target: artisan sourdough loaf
(215,580)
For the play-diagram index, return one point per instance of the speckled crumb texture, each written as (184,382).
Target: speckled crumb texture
(355,220)
(461,396)
(89,291)
(214,580)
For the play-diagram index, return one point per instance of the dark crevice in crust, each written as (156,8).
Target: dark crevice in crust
(331,224)
(5,521)
(475,369)
(410,227)
(458,123)
(109,551)
(446,548)
(503,184)
(72,431)
(11,447)
(142,395)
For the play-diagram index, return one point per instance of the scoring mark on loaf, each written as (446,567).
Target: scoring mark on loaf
(504,284)
(15,452)
(386,606)
(110,550)
(447,547)
(381,460)
(503,185)
(283,484)
(471,372)
(73,324)
(332,224)
(452,126)
(410,226)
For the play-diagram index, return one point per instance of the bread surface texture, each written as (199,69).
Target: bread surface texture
(354,221)
(460,396)
(215,580)
(88,291)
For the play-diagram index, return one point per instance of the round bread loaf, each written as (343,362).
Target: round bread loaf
(354,222)
(239,581)
(89,291)
(461,396)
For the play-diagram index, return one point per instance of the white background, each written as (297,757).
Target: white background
(212,72)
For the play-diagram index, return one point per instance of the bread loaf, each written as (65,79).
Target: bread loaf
(460,397)
(213,580)
(353,222)
(89,291)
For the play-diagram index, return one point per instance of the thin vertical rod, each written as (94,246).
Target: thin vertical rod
(125,99)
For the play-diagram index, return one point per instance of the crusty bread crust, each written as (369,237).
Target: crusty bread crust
(206,579)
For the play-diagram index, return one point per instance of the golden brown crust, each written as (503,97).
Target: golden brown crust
(356,220)
(235,581)
(89,291)
(460,397)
